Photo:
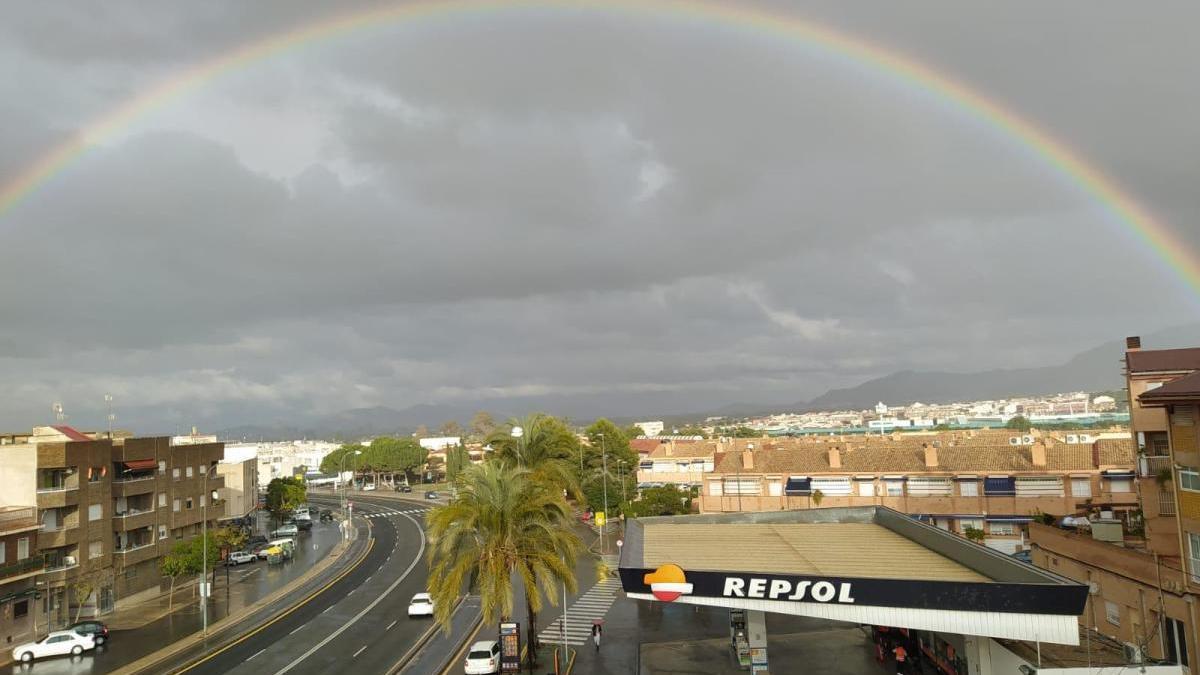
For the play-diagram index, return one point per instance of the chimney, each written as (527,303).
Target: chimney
(1133,343)
(670,448)
(1096,454)
(835,458)
(931,458)
(1038,451)
(747,459)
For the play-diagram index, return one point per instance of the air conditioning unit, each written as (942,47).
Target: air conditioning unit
(68,560)
(1133,653)
(1084,438)
(1072,438)
(1014,440)
(1027,440)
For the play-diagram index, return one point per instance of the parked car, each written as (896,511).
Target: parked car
(97,630)
(240,557)
(403,488)
(287,530)
(326,515)
(256,540)
(58,643)
(420,605)
(431,495)
(367,487)
(483,659)
(303,523)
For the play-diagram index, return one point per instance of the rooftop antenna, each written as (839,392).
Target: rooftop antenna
(58,412)
(108,400)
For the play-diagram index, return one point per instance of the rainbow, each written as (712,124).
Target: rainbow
(1121,206)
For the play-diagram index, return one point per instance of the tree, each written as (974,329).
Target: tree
(974,534)
(433,467)
(547,448)
(633,431)
(457,459)
(284,495)
(504,522)
(1019,423)
(233,538)
(667,500)
(451,428)
(82,589)
(187,558)
(333,462)
(482,425)
(816,497)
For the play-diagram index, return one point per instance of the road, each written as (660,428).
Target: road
(361,621)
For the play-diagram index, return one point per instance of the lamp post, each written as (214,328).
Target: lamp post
(204,500)
(621,478)
(604,480)
(342,470)
(519,434)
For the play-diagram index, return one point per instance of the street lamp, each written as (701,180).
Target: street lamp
(519,434)
(342,470)
(204,590)
(621,478)
(604,479)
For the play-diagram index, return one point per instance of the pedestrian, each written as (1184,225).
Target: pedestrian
(596,631)
(901,655)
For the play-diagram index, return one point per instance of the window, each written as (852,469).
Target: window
(175,473)
(893,487)
(1120,483)
(970,523)
(968,488)
(1158,444)
(95,512)
(189,472)
(798,486)
(95,549)
(775,488)
(999,486)
(162,531)
(20,609)
(22,548)
(714,488)
(96,474)
(188,504)
(1004,529)
(1112,612)
(866,488)
(1189,479)
(1081,487)
(175,505)
(742,486)
(203,469)
(162,466)
(1175,636)
(202,500)
(921,486)
(833,487)
(1183,416)
(162,499)
(1044,486)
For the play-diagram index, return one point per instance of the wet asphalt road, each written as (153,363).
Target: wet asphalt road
(361,622)
(246,584)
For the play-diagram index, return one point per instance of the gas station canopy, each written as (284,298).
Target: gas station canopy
(867,565)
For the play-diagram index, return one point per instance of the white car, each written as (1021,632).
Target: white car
(285,531)
(483,659)
(420,605)
(240,557)
(57,643)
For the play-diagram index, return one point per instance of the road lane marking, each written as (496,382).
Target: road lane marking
(365,610)
(258,652)
(360,650)
(390,626)
(327,609)
(296,628)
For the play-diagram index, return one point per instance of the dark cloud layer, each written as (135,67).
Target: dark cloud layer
(546,203)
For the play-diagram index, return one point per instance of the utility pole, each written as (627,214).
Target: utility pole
(604,478)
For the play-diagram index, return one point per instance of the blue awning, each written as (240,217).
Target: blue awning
(1000,486)
(1009,519)
(1117,474)
(797,485)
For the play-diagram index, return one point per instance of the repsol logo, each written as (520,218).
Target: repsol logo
(782,589)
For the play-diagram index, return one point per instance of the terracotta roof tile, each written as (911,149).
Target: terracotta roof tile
(1163,360)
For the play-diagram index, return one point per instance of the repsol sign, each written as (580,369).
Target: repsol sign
(807,590)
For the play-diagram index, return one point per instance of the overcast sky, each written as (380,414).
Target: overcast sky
(551,202)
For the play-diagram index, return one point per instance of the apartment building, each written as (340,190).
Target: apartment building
(995,489)
(239,494)
(19,566)
(108,507)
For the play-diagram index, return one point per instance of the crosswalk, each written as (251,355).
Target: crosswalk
(385,514)
(582,613)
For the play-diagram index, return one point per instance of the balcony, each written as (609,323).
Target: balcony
(18,519)
(1151,465)
(133,555)
(134,519)
(60,536)
(1166,503)
(57,497)
(135,485)
(22,569)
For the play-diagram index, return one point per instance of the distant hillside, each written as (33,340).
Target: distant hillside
(1097,369)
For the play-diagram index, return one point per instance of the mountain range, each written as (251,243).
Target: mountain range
(1097,369)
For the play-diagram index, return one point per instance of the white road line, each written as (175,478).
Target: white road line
(257,653)
(296,629)
(360,650)
(389,627)
(312,650)
(327,609)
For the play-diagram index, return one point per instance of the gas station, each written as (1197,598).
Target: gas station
(870,566)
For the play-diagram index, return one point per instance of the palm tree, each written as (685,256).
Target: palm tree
(503,522)
(546,447)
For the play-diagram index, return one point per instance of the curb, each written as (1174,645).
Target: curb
(448,665)
(420,643)
(148,662)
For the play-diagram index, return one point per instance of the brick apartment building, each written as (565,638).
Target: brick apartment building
(997,489)
(107,509)
(1145,584)
(19,565)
